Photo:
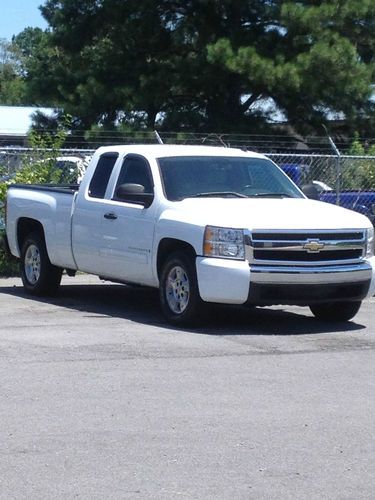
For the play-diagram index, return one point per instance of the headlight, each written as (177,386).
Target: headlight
(370,242)
(224,242)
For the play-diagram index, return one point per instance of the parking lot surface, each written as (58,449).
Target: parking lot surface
(100,398)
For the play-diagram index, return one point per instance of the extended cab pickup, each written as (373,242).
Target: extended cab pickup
(202,224)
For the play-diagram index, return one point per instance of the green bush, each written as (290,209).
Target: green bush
(8,264)
(359,173)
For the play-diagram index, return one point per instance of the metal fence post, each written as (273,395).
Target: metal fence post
(338,166)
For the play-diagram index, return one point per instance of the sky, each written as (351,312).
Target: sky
(16,15)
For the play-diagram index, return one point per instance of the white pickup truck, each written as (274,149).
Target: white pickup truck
(202,224)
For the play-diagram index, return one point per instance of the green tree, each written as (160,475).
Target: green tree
(12,85)
(205,64)
(306,57)
(17,59)
(37,65)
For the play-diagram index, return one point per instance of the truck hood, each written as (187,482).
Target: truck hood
(265,213)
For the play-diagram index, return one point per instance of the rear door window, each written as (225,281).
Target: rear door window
(103,171)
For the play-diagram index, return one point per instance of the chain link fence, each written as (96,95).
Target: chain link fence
(348,181)
(339,173)
(12,159)
(344,180)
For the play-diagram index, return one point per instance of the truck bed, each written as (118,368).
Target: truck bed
(51,205)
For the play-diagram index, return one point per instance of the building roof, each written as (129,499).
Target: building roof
(17,120)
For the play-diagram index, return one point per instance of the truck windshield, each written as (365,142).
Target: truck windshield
(218,176)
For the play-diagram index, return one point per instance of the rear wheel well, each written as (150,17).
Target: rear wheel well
(26,226)
(167,246)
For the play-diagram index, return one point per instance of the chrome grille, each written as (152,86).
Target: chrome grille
(305,247)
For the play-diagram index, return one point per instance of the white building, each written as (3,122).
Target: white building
(15,123)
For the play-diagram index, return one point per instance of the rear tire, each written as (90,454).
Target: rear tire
(179,294)
(39,276)
(336,311)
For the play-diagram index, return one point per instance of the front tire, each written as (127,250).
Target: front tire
(39,276)
(179,294)
(336,311)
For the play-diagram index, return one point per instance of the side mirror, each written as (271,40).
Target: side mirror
(133,193)
(311,191)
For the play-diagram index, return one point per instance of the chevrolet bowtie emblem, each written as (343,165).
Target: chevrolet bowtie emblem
(313,246)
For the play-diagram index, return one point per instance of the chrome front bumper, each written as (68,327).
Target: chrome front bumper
(315,275)
(237,282)
(304,285)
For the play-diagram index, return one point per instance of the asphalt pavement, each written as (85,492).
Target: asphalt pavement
(101,399)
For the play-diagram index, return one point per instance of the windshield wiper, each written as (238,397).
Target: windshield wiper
(217,194)
(270,195)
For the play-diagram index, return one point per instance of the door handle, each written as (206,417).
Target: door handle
(110,216)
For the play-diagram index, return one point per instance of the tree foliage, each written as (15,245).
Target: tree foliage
(203,64)
(306,56)
(12,85)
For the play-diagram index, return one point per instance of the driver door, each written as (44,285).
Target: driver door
(127,227)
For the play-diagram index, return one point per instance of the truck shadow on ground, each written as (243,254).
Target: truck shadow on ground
(141,305)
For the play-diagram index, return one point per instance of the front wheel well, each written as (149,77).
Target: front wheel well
(167,246)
